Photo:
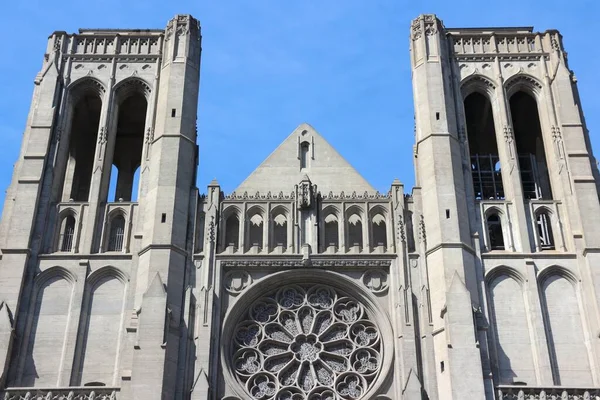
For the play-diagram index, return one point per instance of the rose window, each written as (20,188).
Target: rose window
(306,343)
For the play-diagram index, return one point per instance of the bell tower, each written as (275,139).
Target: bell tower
(93,255)
(508,191)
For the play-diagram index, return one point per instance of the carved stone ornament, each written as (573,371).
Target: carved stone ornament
(401,229)
(236,281)
(305,195)
(266,263)
(61,394)
(376,281)
(306,342)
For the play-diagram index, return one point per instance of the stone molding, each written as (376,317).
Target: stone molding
(265,263)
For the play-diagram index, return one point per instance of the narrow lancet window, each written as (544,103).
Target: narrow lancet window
(116,233)
(255,231)
(485,162)
(232,232)
(280,231)
(304,154)
(495,236)
(67,233)
(530,147)
(355,234)
(379,231)
(331,232)
(83,137)
(127,155)
(544,229)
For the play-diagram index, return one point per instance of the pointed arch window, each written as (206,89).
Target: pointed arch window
(304,155)
(331,231)
(355,233)
(67,233)
(83,134)
(280,227)
(116,233)
(485,161)
(379,231)
(544,230)
(533,167)
(495,234)
(255,227)
(232,232)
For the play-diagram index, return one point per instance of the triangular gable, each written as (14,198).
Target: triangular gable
(325,167)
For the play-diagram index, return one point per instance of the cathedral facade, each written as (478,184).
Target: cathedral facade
(305,283)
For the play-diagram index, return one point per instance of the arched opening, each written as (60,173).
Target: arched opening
(49,321)
(232,231)
(255,230)
(355,234)
(304,154)
(494,228)
(331,232)
(544,230)
(530,146)
(101,324)
(379,231)
(67,233)
(485,162)
(280,227)
(514,357)
(82,146)
(565,332)
(116,233)
(127,155)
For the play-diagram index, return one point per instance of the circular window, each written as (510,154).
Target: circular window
(306,342)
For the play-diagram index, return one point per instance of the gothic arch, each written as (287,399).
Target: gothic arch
(523,82)
(255,223)
(65,229)
(105,271)
(130,86)
(565,325)
(510,327)
(43,321)
(52,272)
(279,221)
(504,270)
(331,209)
(100,327)
(378,227)
(329,281)
(494,210)
(86,86)
(231,223)
(116,212)
(478,83)
(563,272)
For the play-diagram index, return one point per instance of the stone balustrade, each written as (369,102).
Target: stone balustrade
(506,392)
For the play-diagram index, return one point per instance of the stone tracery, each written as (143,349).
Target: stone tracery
(306,342)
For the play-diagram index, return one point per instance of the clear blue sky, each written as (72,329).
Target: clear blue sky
(267,66)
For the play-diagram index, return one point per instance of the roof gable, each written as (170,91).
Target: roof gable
(325,167)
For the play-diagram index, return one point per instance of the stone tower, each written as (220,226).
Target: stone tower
(119,280)
(507,188)
(78,267)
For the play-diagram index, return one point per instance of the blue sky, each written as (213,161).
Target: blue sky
(267,66)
